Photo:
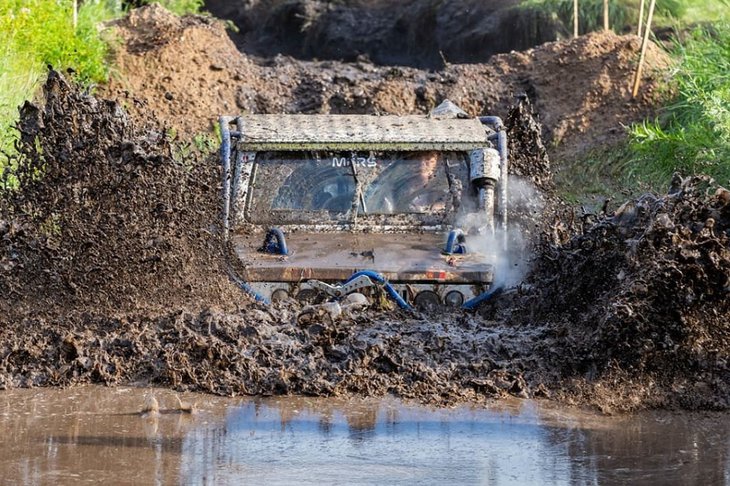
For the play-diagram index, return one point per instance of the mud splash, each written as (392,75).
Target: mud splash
(639,300)
(104,217)
(109,259)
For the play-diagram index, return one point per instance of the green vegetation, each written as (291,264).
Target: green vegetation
(180,7)
(692,135)
(706,11)
(624,14)
(39,33)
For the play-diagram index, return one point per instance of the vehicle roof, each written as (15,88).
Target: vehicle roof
(360,132)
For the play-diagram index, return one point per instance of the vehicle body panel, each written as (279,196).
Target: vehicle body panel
(348,195)
(414,258)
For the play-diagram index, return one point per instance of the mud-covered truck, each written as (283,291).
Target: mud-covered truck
(317,207)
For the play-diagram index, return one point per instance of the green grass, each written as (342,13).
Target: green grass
(595,176)
(706,11)
(692,134)
(182,7)
(39,33)
(624,14)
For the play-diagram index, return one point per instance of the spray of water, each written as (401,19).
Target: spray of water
(509,249)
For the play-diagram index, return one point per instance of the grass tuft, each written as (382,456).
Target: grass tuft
(624,14)
(35,34)
(39,33)
(692,134)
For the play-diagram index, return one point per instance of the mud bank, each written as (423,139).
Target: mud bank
(187,71)
(418,33)
(264,351)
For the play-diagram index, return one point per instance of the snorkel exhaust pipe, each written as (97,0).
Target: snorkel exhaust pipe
(500,138)
(485,173)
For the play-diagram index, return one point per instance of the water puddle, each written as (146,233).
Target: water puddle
(92,434)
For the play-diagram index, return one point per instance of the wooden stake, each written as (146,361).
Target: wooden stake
(641,18)
(605,15)
(575,18)
(644,43)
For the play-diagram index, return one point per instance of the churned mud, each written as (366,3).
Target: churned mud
(112,269)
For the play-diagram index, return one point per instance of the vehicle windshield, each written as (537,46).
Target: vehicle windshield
(325,186)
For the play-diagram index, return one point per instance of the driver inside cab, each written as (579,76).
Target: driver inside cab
(414,185)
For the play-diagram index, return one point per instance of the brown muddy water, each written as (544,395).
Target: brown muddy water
(94,434)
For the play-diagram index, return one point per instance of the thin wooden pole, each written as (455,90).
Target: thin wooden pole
(641,18)
(575,18)
(644,43)
(605,15)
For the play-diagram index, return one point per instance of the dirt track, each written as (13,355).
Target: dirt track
(111,270)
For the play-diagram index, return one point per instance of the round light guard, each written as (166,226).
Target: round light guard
(427,300)
(278,295)
(454,299)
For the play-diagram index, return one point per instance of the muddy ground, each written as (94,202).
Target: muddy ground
(185,72)
(417,33)
(112,269)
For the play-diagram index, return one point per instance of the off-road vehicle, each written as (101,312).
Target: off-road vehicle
(319,206)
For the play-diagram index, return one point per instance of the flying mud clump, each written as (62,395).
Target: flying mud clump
(639,301)
(103,217)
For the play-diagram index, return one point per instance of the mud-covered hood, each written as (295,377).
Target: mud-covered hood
(409,257)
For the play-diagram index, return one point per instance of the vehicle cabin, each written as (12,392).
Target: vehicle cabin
(319,206)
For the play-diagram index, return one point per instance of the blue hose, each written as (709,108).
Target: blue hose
(388,288)
(275,242)
(455,243)
(250,291)
(472,304)
(245,286)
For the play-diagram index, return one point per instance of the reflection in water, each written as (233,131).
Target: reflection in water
(91,433)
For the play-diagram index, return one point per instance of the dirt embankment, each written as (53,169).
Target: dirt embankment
(418,33)
(187,72)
